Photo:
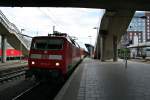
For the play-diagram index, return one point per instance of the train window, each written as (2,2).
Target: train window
(147,49)
(55,44)
(39,44)
(47,44)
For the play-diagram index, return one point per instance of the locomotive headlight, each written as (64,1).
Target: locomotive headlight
(57,64)
(32,62)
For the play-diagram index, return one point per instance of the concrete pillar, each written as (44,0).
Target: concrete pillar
(102,48)
(102,44)
(97,50)
(95,55)
(3,47)
(115,48)
(98,53)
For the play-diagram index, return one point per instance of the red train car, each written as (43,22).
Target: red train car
(53,56)
(12,54)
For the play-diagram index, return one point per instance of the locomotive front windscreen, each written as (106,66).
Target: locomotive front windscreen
(47,44)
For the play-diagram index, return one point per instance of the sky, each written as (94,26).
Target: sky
(78,22)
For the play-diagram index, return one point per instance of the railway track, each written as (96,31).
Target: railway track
(12,73)
(40,91)
(26,91)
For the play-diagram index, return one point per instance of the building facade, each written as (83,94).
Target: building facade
(147,26)
(138,35)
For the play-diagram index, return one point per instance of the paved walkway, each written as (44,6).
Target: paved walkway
(95,80)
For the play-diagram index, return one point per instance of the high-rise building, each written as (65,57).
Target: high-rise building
(138,34)
(147,26)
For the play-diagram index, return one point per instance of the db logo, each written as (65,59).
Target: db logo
(45,51)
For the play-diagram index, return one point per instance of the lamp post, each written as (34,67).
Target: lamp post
(90,39)
(138,44)
(21,45)
(96,29)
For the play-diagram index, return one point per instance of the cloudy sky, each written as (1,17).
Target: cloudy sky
(78,22)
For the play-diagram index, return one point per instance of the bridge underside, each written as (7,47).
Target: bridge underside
(103,4)
(13,40)
(113,25)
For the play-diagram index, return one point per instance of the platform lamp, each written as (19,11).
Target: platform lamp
(96,29)
(21,46)
(90,39)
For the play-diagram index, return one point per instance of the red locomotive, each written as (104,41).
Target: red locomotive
(54,55)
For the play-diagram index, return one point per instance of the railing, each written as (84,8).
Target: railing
(27,42)
(13,29)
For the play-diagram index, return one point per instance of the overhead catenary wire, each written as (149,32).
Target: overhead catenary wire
(50,18)
(55,16)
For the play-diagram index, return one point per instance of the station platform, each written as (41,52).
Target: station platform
(95,80)
(12,64)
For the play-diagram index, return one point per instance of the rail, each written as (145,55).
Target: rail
(26,91)
(13,74)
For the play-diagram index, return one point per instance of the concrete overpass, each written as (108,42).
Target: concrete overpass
(12,35)
(113,25)
(103,4)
